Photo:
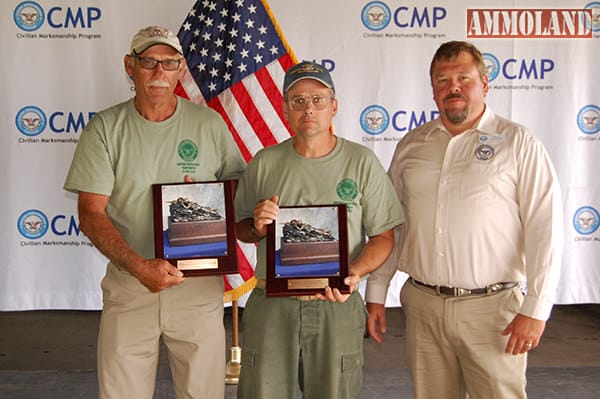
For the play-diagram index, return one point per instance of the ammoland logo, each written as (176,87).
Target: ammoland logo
(529,23)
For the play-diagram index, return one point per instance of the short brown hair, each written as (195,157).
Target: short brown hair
(450,50)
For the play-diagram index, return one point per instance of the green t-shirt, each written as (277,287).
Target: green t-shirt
(351,174)
(121,154)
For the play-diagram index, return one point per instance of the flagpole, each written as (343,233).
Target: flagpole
(232,373)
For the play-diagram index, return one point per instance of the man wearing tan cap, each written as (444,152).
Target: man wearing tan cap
(155,137)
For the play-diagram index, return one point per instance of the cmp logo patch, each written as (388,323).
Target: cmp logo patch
(347,189)
(588,119)
(374,119)
(595,21)
(586,220)
(376,15)
(492,65)
(29,16)
(32,224)
(187,150)
(484,152)
(31,121)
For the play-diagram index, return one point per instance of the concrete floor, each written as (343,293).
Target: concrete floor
(51,354)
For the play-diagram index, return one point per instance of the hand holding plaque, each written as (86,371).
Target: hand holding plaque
(307,250)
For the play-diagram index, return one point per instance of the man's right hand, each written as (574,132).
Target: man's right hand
(158,274)
(265,213)
(376,322)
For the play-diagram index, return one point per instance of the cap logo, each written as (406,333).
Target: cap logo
(308,68)
(158,32)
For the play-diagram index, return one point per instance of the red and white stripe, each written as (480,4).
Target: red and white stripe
(252,109)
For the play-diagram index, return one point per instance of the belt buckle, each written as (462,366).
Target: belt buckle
(494,287)
(460,291)
(305,298)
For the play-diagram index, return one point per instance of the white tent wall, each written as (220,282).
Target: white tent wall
(68,65)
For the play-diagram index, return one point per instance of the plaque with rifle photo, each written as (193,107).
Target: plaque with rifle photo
(307,250)
(194,226)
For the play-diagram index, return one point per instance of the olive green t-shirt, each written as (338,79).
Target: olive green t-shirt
(121,154)
(351,174)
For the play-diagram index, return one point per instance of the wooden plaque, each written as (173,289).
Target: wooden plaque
(307,250)
(194,226)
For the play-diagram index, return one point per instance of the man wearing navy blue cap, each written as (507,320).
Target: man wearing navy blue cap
(311,342)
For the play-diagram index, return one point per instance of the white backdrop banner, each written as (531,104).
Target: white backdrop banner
(62,61)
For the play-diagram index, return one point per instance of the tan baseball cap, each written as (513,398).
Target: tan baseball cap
(152,35)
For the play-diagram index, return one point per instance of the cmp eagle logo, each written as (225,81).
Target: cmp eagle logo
(31,121)
(588,119)
(32,224)
(376,15)
(29,16)
(586,220)
(374,119)
(492,65)
(595,22)
(484,152)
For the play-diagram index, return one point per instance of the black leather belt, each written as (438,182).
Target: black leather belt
(455,291)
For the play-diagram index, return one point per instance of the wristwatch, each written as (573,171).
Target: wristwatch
(254,233)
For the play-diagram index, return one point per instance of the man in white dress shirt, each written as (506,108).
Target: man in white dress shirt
(484,216)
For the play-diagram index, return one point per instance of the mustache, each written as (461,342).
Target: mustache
(157,83)
(454,95)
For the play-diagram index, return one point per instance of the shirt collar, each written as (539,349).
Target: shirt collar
(487,122)
(437,127)
(485,125)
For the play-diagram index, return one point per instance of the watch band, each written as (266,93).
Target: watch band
(253,232)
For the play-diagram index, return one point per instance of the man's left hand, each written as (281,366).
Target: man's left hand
(334,295)
(525,333)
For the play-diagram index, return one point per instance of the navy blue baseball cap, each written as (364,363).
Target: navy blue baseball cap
(307,70)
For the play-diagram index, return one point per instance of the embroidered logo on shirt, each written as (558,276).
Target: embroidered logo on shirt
(484,152)
(347,189)
(187,150)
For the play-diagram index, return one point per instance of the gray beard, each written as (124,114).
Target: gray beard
(455,117)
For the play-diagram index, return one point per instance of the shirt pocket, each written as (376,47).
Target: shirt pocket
(476,182)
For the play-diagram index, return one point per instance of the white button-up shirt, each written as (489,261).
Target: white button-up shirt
(481,207)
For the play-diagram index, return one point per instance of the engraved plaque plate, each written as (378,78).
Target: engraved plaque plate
(197,264)
(307,283)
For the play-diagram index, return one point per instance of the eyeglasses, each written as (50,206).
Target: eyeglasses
(151,63)
(299,103)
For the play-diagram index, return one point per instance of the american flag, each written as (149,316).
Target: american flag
(237,57)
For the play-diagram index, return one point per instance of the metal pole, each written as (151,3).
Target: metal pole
(232,374)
